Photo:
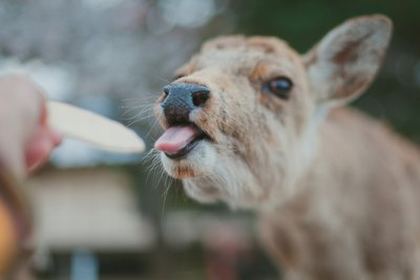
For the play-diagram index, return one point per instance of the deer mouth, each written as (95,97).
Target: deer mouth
(178,141)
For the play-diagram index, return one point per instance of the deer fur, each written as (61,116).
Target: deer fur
(337,192)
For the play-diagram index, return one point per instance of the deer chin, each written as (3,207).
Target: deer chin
(198,159)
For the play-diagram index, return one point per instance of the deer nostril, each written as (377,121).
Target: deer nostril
(200,97)
(165,92)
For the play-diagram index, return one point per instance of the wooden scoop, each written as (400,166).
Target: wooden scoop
(103,133)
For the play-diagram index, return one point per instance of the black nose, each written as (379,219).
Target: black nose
(180,99)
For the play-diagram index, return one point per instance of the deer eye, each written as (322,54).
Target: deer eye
(279,86)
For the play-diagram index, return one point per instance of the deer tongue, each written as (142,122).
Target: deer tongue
(175,138)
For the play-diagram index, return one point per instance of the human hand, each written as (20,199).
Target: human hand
(25,138)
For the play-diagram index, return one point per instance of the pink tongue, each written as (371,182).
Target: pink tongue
(175,138)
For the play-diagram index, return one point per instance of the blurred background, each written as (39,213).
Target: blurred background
(104,216)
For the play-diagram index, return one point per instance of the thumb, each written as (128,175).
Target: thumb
(40,144)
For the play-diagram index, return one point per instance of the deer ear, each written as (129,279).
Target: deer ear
(343,64)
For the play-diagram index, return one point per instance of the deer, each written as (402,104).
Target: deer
(250,122)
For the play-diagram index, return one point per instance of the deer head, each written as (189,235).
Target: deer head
(242,116)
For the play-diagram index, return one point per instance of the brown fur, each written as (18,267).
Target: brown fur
(338,192)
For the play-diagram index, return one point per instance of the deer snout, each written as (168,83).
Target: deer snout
(182,98)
